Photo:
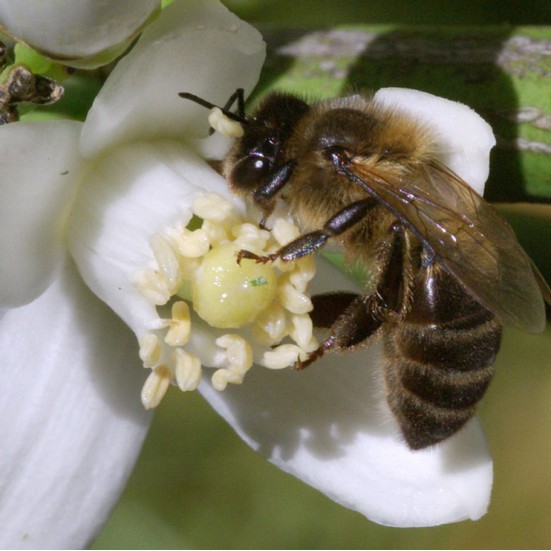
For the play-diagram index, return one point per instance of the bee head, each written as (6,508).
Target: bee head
(261,147)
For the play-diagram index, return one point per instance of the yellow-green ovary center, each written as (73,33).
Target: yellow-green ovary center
(231,295)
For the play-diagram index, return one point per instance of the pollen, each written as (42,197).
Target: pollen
(195,279)
(223,124)
(282,356)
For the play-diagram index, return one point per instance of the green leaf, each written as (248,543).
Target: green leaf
(502,72)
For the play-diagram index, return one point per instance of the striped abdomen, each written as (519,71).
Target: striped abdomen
(440,358)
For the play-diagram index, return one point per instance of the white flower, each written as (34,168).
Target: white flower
(71,418)
(99,196)
(79,33)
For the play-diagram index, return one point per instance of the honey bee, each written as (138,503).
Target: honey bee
(448,270)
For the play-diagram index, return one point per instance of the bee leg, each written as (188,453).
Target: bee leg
(309,243)
(330,306)
(352,319)
(271,185)
(357,322)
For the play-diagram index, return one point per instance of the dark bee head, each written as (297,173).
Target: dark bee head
(260,149)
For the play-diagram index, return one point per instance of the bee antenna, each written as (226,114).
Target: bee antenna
(238,94)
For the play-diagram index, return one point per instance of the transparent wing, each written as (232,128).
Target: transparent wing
(468,237)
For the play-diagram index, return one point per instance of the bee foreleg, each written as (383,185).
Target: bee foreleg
(271,185)
(309,243)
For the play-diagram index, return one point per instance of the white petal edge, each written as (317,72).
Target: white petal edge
(70,417)
(39,163)
(80,33)
(464,138)
(126,198)
(196,46)
(329,425)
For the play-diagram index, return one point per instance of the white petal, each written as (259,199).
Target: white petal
(464,137)
(196,46)
(330,426)
(39,163)
(70,417)
(81,33)
(126,199)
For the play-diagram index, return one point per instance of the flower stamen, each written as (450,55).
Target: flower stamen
(155,386)
(196,274)
(187,370)
(179,326)
(239,356)
(150,350)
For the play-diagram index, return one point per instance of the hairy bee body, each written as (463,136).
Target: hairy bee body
(440,354)
(447,270)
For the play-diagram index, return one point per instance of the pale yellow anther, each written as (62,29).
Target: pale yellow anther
(284,231)
(302,273)
(188,267)
(167,261)
(223,124)
(179,326)
(239,353)
(222,377)
(239,356)
(153,286)
(193,244)
(155,386)
(216,232)
(271,325)
(187,369)
(178,238)
(282,356)
(300,330)
(291,299)
(281,265)
(250,237)
(211,206)
(150,349)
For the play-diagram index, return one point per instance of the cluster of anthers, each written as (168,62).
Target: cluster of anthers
(197,279)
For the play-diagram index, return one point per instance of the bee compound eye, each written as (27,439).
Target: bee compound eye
(249,171)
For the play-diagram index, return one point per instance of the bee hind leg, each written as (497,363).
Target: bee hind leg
(328,307)
(353,321)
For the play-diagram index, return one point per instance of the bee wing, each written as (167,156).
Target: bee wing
(468,237)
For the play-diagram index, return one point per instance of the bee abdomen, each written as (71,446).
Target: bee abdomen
(437,374)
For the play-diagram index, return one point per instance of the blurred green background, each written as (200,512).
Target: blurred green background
(196,485)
